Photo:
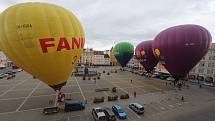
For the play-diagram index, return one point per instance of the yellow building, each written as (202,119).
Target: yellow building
(113,60)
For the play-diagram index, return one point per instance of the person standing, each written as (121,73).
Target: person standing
(95,81)
(135,94)
(182,98)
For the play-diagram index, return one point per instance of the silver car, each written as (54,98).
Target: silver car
(98,114)
(136,107)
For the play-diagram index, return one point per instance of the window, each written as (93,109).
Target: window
(201,64)
(213,70)
(209,64)
(201,70)
(208,71)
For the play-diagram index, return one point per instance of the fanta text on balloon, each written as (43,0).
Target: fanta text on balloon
(63,43)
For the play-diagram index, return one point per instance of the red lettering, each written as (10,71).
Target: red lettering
(75,42)
(63,43)
(82,42)
(45,43)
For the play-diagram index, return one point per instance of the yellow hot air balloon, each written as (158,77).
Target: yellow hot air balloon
(43,39)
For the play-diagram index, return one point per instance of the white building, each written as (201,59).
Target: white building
(93,57)
(87,56)
(134,63)
(3,60)
(98,58)
(107,59)
(205,69)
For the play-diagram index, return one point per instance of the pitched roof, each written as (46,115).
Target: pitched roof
(98,53)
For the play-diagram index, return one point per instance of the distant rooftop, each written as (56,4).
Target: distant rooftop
(98,52)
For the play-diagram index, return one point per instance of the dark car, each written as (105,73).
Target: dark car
(156,76)
(2,76)
(74,106)
(10,73)
(164,77)
(10,76)
(109,114)
(51,110)
(136,107)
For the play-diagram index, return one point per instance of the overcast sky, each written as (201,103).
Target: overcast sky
(107,22)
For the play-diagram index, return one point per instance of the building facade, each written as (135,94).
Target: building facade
(98,58)
(134,63)
(93,57)
(113,61)
(4,61)
(107,60)
(205,69)
(87,57)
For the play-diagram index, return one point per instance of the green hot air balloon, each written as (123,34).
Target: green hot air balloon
(123,52)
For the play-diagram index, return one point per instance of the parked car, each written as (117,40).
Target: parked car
(10,73)
(10,76)
(19,70)
(194,81)
(74,106)
(136,107)
(50,110)
(208,84)
(141,73)
(14,71)
(164,77)
(170,79)
(109,114)
(136,72)
(130,70)
(117,109)
(155,75)
(2,76)
(98,114)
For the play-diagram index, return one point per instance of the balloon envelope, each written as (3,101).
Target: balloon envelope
(43,39)
(123,52)
(180,48)
(145,56)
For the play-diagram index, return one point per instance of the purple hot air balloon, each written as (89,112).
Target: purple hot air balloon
(144,54)
(180,48)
